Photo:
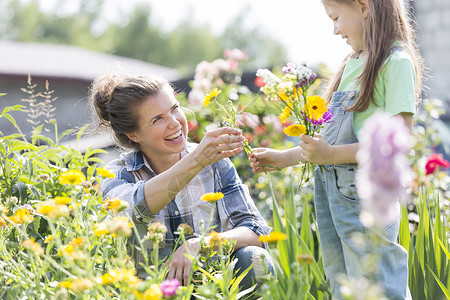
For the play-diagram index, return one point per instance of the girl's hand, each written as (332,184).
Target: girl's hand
(218,144)
(180,266)
(264,158)
(315,150)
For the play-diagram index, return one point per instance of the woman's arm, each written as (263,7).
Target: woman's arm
(215,145)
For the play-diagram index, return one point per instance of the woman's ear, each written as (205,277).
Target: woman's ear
(133,137)
(364,6)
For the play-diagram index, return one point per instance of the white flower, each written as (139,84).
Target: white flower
(268,77)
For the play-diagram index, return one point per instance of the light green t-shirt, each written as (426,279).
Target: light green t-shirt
(394,88)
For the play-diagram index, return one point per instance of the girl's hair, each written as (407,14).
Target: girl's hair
(116,98)
(385,24)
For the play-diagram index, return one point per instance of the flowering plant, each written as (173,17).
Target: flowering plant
(309,112)
(230,113)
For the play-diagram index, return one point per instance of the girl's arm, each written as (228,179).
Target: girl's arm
(318,151)
(270,159)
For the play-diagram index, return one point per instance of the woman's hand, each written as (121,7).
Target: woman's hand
(180,266)
(218,144)
(315,150)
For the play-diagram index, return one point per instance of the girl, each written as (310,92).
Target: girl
(382,73)
(163,177)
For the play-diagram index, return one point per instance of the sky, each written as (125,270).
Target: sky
(302,26)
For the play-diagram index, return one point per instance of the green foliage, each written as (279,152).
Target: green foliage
(136,34)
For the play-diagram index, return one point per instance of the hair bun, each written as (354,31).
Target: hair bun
(101,94)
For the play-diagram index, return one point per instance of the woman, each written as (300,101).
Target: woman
(164,176)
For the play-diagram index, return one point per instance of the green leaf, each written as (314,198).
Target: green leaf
(404,234)
(444,289)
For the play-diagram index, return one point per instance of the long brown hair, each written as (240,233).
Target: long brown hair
(386,23)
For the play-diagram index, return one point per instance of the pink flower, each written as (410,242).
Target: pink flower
(235,54)
(383,169)
(435,161)
(169,287)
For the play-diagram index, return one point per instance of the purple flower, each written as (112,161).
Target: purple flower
(169,287)
(288,68)
(383,169)
(326,118)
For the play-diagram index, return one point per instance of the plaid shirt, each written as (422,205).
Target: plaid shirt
(235,209)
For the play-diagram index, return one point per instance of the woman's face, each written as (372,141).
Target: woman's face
(162,126)
(348,20)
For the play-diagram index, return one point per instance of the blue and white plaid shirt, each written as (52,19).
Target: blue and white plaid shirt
(235,209)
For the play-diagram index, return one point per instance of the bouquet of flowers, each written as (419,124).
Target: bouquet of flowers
(309,112)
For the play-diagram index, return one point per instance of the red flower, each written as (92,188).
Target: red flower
(259,82)
(435,161)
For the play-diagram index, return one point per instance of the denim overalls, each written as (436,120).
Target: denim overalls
(344,240)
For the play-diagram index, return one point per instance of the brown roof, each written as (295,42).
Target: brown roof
(69,62)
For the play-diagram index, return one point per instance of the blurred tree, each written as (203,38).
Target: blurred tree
(135,35)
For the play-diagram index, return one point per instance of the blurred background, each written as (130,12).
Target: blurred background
(69,43)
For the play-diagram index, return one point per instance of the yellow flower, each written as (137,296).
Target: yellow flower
(62,200)
(21,216)
(272,237)
(315,107)
(65,284)
(33,247)
(284,114)
(115,205)
(72,177)
(48,239)
(153,293)
(67,249)
(214,92)
(2,222)
(52,210)
(216,238)
(295,130)
(71,207)
(212,197)
(105,173)
(100,229)
(80,285)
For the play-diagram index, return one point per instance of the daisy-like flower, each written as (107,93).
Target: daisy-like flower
(295,130)
(212,197)
(272,237)
(115,205)
(216,238)
(156,231)
(33,247)
(52,210)
(81,284)
(285,113)
(72,177)
(105,173)
(48,239)
(185,229)
(153,292)
(315,107)
(62,200)
(214,92)
(21,216)
(118,275)
(169,287)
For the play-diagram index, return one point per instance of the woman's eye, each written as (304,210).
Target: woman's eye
(175,107)
(156,119)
